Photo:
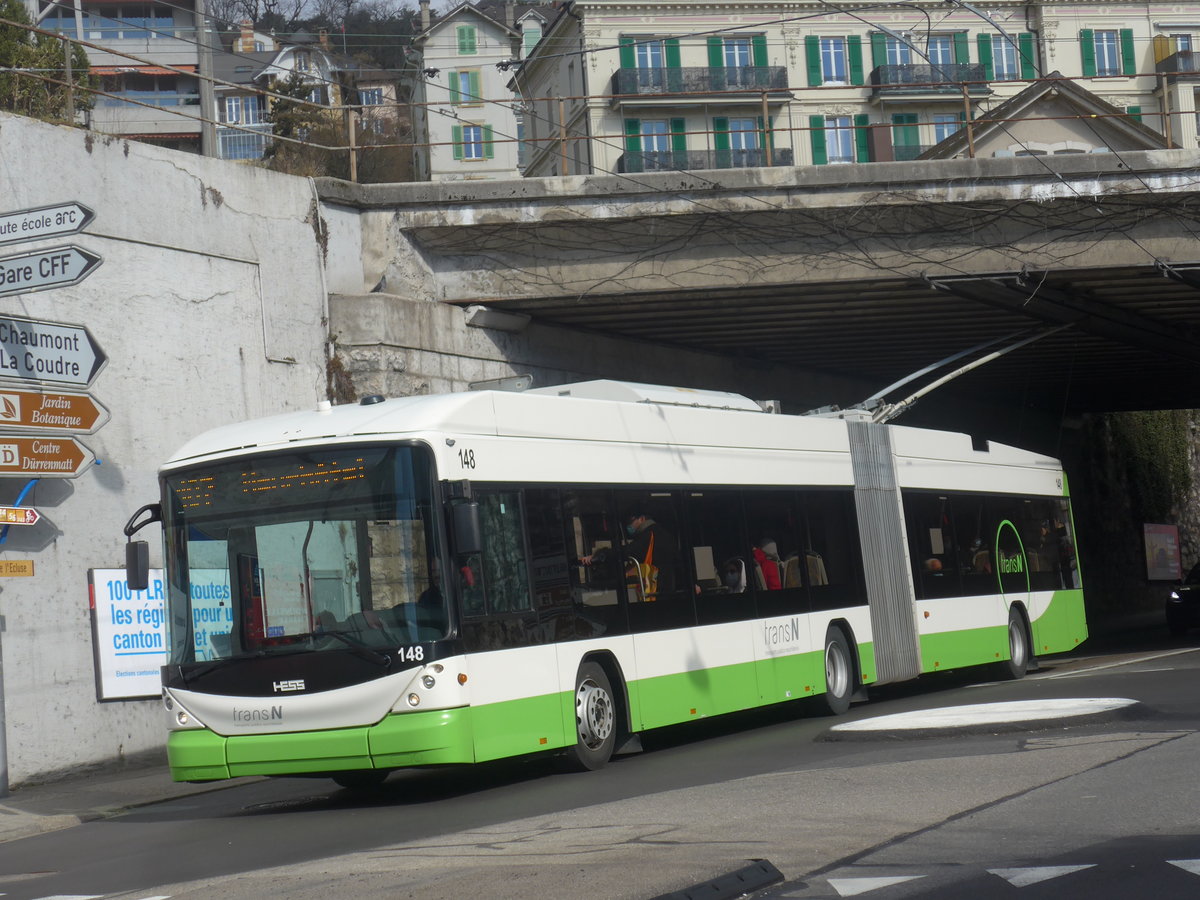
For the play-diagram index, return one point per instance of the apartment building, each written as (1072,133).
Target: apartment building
(470,122)
(146,69)
(655,86)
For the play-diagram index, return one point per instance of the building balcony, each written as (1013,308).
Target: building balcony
(1185,63)
(907,152)
(636,85)
(165,114)
(944,82)
(247,142)
(671,161)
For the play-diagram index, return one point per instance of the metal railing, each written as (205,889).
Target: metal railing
(1184,62)
(236,143)
(699,80)
(941,79)
(670,160)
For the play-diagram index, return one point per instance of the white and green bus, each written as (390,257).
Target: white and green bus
(447,579)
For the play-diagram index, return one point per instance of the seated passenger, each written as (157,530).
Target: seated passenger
(766,555)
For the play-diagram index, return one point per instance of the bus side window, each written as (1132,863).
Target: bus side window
(830,556)
(931,541)
(774,541)
(716,542)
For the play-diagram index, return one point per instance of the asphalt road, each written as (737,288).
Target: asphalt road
(1103,809)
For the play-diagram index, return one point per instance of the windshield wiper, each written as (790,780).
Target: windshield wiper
(359,648)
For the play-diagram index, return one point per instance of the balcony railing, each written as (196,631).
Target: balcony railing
(1185,62)
(699,80)
(671,161)
(925,80)
(907,152)
(235,143)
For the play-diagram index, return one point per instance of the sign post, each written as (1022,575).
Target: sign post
(44,222)
(49,352)
(42,411)
(44,457)
(40,270)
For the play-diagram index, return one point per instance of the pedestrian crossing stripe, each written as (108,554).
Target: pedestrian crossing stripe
(1188,865)
(852,887)
(1034,874)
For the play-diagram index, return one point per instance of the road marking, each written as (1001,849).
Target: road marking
(73,897)
(852,887)
(1188,865)
(985,714)
(1036,874)
(1115,665)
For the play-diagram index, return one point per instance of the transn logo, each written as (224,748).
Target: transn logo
(282,687)
(1011,565)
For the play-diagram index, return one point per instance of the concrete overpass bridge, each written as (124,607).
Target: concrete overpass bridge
(861,281)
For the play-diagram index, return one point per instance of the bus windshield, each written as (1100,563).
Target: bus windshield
(316,550)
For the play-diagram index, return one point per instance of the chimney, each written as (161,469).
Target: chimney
(245,43)
(510,13)
(323,37)
(425,15)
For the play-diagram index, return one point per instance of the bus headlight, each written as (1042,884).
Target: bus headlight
(428,681)
(167,701)
(182,718)
(414,700)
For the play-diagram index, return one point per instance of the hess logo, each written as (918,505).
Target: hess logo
(281,687)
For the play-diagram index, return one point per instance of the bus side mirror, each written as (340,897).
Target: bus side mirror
(137,565)
(468,535)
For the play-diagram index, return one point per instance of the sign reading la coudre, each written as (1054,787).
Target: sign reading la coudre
(129,634)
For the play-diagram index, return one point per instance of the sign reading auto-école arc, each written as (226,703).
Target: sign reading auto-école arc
(50,352)
(40,270)
(44,222)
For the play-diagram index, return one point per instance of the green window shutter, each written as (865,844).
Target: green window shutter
(878,49)
(724,158)
(962,48)
(628,57)
(456,138)
(1026,51)
(671,46)
(633,136)
(716,53)
(678,138)
(476,93)
(820,156)
(1128,53)
(466,39)
(984,42)
(758,49)
(489,149)
(455,96)
(812,58)
(1134,112)
(1087,51)
(862,138)
(854,51)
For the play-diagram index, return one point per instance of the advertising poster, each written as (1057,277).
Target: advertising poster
(129,634)
(1162,553)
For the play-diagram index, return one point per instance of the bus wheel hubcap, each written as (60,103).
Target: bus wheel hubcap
(594,712)
(837,671)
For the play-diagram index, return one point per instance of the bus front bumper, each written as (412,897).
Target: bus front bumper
(434,737)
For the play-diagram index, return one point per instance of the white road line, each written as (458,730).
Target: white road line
(1035,874)
(852,887)
(1188,865)
(1116,665)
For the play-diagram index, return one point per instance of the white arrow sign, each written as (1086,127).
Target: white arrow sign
(45,269)
(48,352)
(44,222)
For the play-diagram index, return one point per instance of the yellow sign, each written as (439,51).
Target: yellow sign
(12,568)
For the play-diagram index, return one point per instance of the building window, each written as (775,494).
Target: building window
(737,53)
(1004,59)
(303,61)
(833,60)
(245,110)
(941,50)
(649,55)
(1182,43)
(1108,53)
(464,87)
(472,142)
(370,96)
(529,38)
(155,90)
(944,125)
(839,139)
(466,40)
(898,53)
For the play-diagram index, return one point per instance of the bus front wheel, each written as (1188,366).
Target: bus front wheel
(595,719)
(839,672)
(1018,646)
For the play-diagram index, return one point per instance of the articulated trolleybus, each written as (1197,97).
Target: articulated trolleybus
(458,578)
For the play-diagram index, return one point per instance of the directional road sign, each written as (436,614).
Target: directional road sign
(41,270)
(50,352)
(19,515)
(44,222)
(44,457)
(42,411)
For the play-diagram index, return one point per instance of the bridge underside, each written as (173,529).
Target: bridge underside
(869,279)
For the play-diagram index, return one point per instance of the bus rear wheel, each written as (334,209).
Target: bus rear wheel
(1018,646)
(839,672)
(595,719)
